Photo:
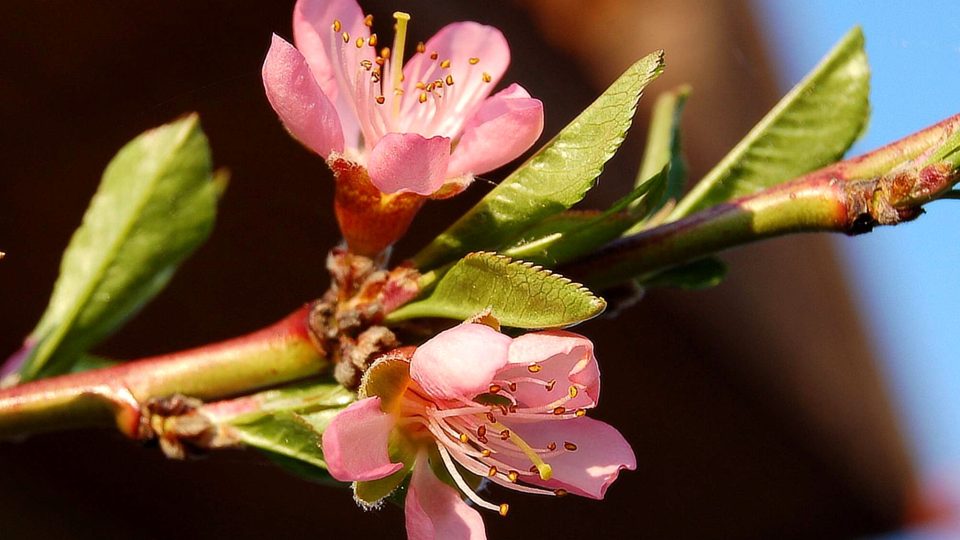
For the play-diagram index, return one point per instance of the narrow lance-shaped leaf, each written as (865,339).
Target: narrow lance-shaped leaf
(812,126)
(554,179)
(518,293)
(662,152)
(155,205)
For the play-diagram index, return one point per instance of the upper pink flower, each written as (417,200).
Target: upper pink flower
(510,410)
(416,128)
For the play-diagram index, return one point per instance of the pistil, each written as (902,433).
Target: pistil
(396,65)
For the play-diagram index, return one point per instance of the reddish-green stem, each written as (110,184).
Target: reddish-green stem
(282,352)
(884,187)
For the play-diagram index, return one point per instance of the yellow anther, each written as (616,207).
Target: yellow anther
(336,25)
(534,368)
(449,80)
(423,97)
(485,452)
(464,439)
(359,42)
(552,446)
(492,472)
(420,85)
(372,41)
(559,410)
(381,100)
(513,476)
(474,61)
(385,53)
(572,392)
(581,412)
(487,77)
(421,48)
(346,37)
(504,508)
(495,388)
(445,64)
(368,20)
(559,492)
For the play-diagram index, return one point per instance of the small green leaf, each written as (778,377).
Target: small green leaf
(289,421)
(697,275)
(155,205)
(663,151)
(285,433)
(520,295)
(812,126)
(566,236)
(554,179)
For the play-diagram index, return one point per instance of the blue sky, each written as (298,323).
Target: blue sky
(905,277)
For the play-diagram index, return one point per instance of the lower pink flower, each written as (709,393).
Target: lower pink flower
(509,410)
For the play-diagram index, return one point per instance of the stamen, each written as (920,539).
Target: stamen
(559,410)
(534,368)
(485,452)
(368,20)
(336,25)
(486,77)
(420,85)
(457,479)
(560,492)
(423,97)
(581,412)
(396,67)
(434,55)
(513,476)
(482,431)
(359,42)
(385,53)
(552,446)
(573,391)
(495,388)
(346,37)
(445,64)
(366,64)
(504,508)
(493,471)
(421,48)
(543,469)
(570,447)
(474,61)
(463,438)
(372,41)
(449,80)
(550,385)
(491,418)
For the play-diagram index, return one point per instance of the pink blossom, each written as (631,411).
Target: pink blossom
(426,127)
(511,410)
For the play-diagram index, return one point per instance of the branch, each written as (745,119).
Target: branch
(885,187)
(118,395)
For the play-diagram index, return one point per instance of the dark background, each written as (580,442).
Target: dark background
(755,408)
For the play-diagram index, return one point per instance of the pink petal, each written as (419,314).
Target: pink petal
(303,108)
(435,510)
(601,453)
(402,162)
(460,362)
(355,443)
(564,357)
(458,43)
(505,126)
(314,36)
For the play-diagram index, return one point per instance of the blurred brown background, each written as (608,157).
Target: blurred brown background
(755,409)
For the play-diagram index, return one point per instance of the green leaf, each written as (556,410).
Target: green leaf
(289,421)
(663,151)
(812,126)
(520,295)
(568,235)
(155,205)
(697,275)
(554,179)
